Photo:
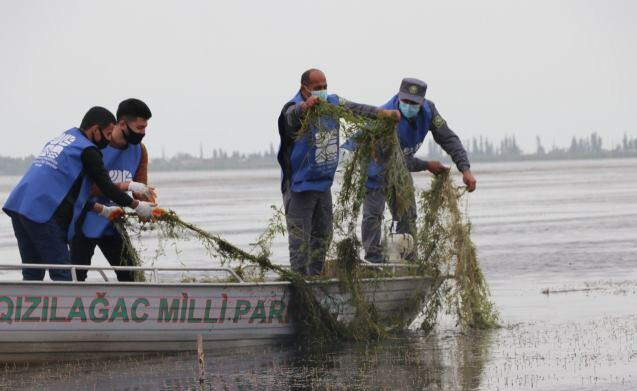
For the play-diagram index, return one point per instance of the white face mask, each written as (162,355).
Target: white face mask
(321,94)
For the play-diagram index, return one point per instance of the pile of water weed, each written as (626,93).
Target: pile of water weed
(443,239)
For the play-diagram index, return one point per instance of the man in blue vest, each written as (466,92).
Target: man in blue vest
(46,203)
(418,117)
(126,160)
(308,164)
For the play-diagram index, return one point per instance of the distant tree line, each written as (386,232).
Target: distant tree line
(218,159)
(483,149)
(479,149)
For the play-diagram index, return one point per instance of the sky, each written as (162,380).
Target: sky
(217,73)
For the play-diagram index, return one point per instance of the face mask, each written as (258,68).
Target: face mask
(408,110)
(133,137)
(103,143)
(321,94)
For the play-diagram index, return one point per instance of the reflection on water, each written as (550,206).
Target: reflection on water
(567,228)
(451,362)
(576,356)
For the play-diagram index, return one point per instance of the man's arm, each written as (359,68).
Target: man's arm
(451,144)
(95,191)
(448,140)
(143,192)
(108,212)
(415,164)
(359,108)
(94,169)
(294,112)
(141,175)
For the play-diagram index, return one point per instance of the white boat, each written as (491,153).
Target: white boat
(54,317)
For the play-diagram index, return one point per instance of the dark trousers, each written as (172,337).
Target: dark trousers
(42,243)
(371,230)
(83,248)
(308,215)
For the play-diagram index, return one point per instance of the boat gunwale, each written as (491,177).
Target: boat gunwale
(201,284)
(240,283)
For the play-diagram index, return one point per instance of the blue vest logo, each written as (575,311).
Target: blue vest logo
(53,149)
(119,176)
(50,178)
(326,152)
(314,156)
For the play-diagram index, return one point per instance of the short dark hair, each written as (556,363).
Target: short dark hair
(305,77)
(97,116)
(133,108)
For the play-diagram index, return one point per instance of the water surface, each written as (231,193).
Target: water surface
(566,226)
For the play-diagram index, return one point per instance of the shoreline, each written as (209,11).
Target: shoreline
(169,165)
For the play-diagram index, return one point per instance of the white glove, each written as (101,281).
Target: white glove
(144,209)
(137,187)
(140,188)
(111,212)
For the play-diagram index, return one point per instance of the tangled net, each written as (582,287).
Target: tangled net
(443,241)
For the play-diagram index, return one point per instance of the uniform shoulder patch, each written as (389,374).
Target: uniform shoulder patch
(438,121)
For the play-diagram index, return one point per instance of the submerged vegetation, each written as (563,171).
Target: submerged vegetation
(446,253)
(445,247)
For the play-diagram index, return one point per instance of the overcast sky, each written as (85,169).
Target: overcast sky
(218,72)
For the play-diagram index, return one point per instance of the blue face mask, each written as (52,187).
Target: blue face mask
(321,94)
(408,110)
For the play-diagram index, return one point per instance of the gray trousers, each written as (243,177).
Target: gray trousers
(373,210)
(308,216)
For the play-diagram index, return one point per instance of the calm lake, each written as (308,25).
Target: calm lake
(566,226)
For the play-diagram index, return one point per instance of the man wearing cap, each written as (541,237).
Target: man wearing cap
(308,164)
(45,205)
(126,160)
(418,117)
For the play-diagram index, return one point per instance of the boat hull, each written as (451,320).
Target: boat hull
(58,317)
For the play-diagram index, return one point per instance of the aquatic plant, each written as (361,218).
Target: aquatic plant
(129,249)
(445,247)
(443,240)
(318,327)
(372,138)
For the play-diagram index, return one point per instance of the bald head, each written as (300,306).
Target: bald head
(312,80)
(307,75)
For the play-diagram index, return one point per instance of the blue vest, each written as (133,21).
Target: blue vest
(410,137)
(122,165)
(50,178)
(314,156)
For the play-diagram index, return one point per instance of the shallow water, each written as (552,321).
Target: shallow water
(569,227)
